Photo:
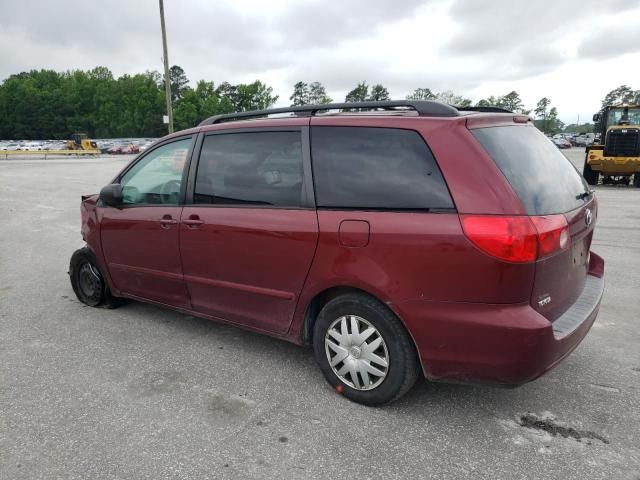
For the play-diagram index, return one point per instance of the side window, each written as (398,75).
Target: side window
(377,168)
(157,178)
(256,168)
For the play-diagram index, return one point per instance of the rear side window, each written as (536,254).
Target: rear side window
(544,179)
(256,168)
(376,168)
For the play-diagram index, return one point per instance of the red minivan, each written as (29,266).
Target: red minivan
(397,238)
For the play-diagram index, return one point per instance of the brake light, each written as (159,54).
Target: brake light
(512,239)
(518,239)
(553,234)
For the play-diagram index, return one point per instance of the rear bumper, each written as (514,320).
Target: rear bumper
(502,344)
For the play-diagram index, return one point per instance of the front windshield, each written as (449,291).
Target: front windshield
(623,116)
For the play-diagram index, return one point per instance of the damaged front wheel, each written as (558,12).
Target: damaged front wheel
(87,280)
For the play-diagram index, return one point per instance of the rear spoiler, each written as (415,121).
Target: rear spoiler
(484,109)
(496,120)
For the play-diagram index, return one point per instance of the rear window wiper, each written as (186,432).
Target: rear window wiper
(584,195)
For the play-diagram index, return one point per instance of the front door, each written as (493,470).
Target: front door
(249,236)
(140,238)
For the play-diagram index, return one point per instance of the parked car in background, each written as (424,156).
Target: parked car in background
(116,149)
(411,239)
(589,139)
(562,143)
(145,145)
(11,146)
(129,148)
(56,145)
(32,146)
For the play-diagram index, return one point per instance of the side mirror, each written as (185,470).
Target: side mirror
(111,195)
(596,117)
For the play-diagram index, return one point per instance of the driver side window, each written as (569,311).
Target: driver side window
(157,178)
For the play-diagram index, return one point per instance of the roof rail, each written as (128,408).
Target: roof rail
(426,108)
(484,109)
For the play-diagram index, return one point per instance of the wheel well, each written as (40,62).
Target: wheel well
(319,301)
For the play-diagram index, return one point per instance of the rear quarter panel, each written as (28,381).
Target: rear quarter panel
(410,256)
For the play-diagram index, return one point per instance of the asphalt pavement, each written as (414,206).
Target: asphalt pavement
(145,393)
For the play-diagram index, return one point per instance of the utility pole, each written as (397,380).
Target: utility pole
(167,80)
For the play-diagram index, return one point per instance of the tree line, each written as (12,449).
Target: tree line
(44,104)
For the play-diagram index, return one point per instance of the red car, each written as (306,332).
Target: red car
(124,149)
(409,238)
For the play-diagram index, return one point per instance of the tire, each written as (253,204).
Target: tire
(590,175)
(636,180)
(396,347)
(88,282)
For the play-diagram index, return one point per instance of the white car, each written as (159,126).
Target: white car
(32,146)
(12,146)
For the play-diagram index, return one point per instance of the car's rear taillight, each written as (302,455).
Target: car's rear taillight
(518,239)
(553,234)
(513,239)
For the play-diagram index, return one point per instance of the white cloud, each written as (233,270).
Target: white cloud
(573,51)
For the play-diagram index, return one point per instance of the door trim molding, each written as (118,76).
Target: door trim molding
(148,271)
(269,292)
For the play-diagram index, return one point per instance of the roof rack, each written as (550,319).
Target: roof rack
(426,108)
(484,109)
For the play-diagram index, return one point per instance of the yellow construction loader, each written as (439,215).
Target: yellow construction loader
(615,153)
(80,141)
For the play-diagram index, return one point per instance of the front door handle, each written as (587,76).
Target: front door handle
(167,221)
(193,221)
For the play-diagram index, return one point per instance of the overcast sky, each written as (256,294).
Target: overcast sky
(572,51)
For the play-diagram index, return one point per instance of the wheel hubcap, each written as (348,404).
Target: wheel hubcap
(89,280)
(357,353)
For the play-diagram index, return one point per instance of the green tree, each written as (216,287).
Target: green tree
(358,94)
(622,94)
(208,99)
(421,94)
(541,111)
(46,104)
(187,112)
(318,94)
(581,128)
(512,102)
(254,96)
(554,124)
(379,93)
(140,106)
(228,97)
(451,98)
(300,95)
(488,102)
(179,82)
(199,103)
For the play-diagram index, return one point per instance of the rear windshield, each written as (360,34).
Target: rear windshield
(544,179)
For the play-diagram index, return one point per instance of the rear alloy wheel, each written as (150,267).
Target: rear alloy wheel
(88,282)
(364,350)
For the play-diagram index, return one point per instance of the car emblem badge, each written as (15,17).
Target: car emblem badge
(588,217)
